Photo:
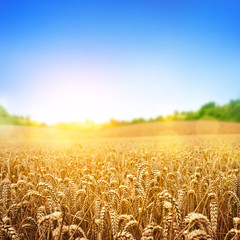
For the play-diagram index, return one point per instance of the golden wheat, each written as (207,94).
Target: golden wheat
(147,188)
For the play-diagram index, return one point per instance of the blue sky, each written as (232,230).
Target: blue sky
(73,60)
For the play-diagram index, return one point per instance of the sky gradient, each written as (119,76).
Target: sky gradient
(76,60)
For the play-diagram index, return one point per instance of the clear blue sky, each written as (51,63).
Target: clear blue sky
(72,60)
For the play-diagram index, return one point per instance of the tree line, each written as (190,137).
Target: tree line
(11,119)
(209,111)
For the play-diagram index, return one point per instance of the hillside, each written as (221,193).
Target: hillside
(171,128)
(136,130)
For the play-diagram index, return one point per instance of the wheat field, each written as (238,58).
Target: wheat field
(169,187)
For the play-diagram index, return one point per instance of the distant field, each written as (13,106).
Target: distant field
(172,128)
(137,130)
(37,133)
